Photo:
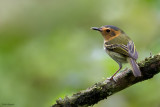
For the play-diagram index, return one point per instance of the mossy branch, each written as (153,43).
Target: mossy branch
(101,90)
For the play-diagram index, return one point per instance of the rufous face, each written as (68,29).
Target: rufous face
(108,32)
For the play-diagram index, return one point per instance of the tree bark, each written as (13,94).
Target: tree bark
(101,90)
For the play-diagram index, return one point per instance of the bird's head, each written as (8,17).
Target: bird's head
(109,32)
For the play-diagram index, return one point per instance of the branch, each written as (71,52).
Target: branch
(101,90)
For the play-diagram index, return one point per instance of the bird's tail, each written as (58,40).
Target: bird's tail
(135,68)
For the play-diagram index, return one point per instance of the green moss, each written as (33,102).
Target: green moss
(149,60)
(103,89)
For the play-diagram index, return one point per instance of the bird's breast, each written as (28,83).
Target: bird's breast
(116,56)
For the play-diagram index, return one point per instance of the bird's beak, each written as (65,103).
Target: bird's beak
(96,28)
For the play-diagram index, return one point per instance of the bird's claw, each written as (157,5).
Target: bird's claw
(111,79)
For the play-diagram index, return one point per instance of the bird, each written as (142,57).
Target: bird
(119,47)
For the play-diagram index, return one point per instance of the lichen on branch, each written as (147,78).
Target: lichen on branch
(101,90)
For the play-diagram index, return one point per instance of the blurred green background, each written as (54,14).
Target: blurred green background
(47,49)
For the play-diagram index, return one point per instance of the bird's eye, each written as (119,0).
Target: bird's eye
(108,30)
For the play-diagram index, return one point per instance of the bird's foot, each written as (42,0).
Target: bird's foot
(126,69)
(111,79)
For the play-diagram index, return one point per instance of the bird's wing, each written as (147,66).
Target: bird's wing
(132,50)
(119,48)
(127,50)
